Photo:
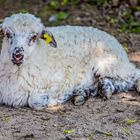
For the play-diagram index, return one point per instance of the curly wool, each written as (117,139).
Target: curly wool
(23,23)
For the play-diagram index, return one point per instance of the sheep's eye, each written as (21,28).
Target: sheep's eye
(8,35)
(34,38)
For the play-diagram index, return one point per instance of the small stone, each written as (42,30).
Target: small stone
(78,18)
(53,19)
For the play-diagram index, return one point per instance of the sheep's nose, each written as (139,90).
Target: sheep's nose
(17,56)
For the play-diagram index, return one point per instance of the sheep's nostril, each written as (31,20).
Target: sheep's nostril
(18,51)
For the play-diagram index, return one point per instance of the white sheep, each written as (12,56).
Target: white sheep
(42,67)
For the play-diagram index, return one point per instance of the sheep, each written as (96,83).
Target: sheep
(41,67)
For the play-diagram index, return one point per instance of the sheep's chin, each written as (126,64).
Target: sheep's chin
(17,62)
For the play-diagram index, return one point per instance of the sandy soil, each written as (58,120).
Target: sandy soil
(97,119)
(115,119)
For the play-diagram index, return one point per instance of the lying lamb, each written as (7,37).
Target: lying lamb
(42,67)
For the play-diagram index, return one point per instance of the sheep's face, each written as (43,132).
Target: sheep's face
(22,33)
(20,46)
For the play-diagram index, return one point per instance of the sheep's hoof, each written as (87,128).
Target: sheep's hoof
(78,100)
(105,95)
(105,88)
(80,96)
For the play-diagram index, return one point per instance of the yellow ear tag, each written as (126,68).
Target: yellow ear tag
(48,38)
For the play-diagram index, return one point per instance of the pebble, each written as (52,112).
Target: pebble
(53,19)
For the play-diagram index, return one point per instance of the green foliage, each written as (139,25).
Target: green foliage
(91,136)
(22,11)
(106,133)
(133,26)
(129,23)
(54,4)
(68,131)
(137,8)
(64,2)
(44,11)
(111,20)
(125,46)
(130,121)
(6,118)
(126,131)
(55,8)
(62,15)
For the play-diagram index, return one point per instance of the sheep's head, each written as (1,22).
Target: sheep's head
(22,33)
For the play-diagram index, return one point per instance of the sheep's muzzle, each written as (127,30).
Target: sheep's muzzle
(17,56)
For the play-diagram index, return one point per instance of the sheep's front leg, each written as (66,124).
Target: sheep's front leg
(38,99)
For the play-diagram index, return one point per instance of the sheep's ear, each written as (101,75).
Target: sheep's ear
(49,39)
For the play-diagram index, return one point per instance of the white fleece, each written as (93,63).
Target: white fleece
(80,52)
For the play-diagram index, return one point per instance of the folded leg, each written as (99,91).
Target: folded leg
(108,86)
(38,99)
(82,94)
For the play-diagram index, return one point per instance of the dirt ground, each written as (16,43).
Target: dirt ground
(114,119)
(95,120)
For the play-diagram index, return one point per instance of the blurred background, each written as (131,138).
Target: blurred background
(120,18)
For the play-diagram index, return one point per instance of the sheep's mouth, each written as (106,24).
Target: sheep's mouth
(17,59)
